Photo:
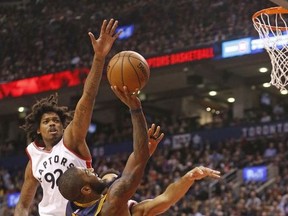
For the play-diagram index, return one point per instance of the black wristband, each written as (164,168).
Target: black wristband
(135,111)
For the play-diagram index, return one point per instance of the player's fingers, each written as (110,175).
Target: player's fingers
(114,89)
(200,171)
(103,27)
(125,90)
(117,92)
(136,92)
(157,131)
(215,176)
(196,174)
(113,29)
(202,167)
(155,135)
(215,173)
(153,127)
(212,173)
(109,26)
(92,38)
(161,137)
(158,138)
(197,171)
(117,34)
(151,130)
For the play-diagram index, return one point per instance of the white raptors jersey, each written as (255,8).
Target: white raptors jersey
(47,167)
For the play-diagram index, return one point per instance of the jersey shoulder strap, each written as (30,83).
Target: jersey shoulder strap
(100,205)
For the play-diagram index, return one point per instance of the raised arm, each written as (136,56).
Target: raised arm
(28,192)
(165,200)
(76,131)
(124,188)
(140,135)
(154,137)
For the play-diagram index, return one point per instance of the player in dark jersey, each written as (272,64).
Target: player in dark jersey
(148,207)
(93,208)
(89,187)
(85,188)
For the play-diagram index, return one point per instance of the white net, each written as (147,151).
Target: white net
(271,24)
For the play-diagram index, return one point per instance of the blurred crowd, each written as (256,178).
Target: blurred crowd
(41,37)
(169,163)
(120,131)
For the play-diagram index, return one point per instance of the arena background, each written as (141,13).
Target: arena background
(193,47)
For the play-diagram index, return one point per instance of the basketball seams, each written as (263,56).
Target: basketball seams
(122,70)
(143,62)
(139,82)
(112,67)
(131,70)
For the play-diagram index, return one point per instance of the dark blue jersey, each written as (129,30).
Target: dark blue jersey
(88,209)
(77,209)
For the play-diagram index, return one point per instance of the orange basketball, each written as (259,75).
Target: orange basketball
(128,68)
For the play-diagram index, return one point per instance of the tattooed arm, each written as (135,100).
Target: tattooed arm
(125,187)
(76,131)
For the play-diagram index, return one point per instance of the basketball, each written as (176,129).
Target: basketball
(128,68)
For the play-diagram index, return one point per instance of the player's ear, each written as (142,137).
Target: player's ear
(86,190)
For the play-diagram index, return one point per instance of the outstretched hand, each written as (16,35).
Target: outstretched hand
(131,100)
(201,172)
(106,39)
(155,138)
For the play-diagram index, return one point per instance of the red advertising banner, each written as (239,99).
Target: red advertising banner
(43,83)
(55,81)
(181,57)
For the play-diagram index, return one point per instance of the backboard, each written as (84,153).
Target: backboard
(282,3)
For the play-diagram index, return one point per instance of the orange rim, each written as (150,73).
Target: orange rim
(270,11)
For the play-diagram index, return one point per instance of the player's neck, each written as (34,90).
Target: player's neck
(86,202)
(84,205)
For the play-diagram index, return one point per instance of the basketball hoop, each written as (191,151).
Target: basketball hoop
(272,26)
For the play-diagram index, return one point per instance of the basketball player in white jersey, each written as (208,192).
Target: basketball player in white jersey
(58,141)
